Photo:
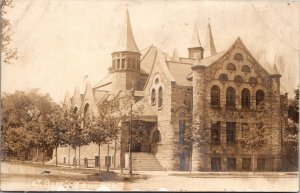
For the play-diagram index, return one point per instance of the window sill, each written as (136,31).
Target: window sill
(159,108)
(152,104)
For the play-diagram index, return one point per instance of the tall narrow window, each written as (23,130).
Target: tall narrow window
(153,96)
(245,98)
(216,164)
(260,96)
(123,63)
(133,63)
(160,97)
(118,63)
(230,98)
(129,63)
(215,96)
(215,133)
(231,164)
(181,128)
(230,132)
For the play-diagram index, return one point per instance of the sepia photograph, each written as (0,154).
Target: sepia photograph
(158,95)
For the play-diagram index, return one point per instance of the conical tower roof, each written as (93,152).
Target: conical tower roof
(126,41)
(210,48)
(195,42)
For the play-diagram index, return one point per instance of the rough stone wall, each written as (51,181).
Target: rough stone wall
(269,115)
(165,148)
(181,103)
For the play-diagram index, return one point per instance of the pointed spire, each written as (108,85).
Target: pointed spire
(168,58)
(210,48)
(277,61)
(195,42)
(126,41)
(77,97)
(175,57)
(67,100)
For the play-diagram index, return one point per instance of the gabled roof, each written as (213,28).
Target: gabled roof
(148,58)
(104,83)
(180,72)
(126,41)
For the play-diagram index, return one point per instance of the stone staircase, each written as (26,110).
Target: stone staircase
(145,162)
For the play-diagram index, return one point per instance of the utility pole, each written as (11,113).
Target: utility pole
(130,133)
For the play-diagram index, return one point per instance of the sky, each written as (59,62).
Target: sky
(60,42)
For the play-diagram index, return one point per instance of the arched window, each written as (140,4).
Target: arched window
(223,77)
(230,97)
(215,96)
(181,128)
(75,110)
(238,57)
(86,108)
(231,66)
(260,96)
(245,98)
(160,97)
(238,79)
(156,137)
(245,68)
(153,96)
(252,80)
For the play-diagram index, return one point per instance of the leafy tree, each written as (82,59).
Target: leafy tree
(254,138)
(8,53)
(23,110)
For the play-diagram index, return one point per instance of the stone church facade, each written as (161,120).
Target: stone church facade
(223,93)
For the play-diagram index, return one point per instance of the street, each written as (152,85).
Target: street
(17,177)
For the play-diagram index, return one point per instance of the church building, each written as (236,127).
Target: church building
(223,93)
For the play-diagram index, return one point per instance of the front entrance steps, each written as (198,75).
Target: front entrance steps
(142,161)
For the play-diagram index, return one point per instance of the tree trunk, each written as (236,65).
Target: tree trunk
(43,156)
(107,159)
(115,153)
(55,156)
(69,155)
(253,164)
(121,152)
(99,168)
(37,153)
(75,161)
(79,156)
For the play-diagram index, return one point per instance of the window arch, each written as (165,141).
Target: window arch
(223,77)
(230,97)
(238,57)
(238,79)
(215,96)
(156,137)
(160,97)
(245,98)
(260,96)
(246,68)
(86,108)
(252,80)
(153,96)
(231,66)
(75,110)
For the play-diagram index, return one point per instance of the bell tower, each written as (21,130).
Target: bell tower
(126,59)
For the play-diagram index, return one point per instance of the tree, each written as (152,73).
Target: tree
(291,139)
(8,53)
(254,138)
(23,112)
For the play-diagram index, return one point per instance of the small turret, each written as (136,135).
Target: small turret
(195,49)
